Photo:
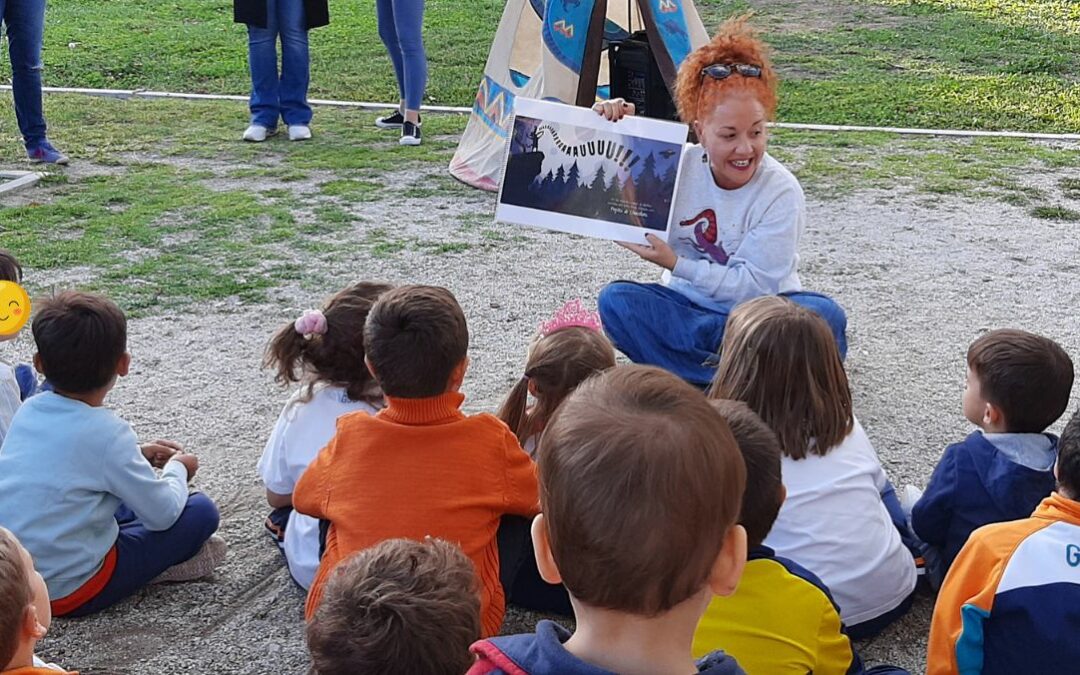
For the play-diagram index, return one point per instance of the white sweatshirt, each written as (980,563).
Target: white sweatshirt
(734,245)
(834,524)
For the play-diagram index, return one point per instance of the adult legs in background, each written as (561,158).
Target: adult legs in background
(295,62)
(25,22)
(265,102)
(828,309)
(401,30)
(142,555)
(655,325)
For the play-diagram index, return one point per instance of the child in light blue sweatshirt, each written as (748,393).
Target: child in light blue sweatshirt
(76,487)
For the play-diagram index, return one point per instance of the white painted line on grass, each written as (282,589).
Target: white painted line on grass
(368,105)
(15,180)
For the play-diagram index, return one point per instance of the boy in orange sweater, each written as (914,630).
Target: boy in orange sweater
(420,467)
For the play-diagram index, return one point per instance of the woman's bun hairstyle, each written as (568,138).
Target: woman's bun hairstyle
(735,42)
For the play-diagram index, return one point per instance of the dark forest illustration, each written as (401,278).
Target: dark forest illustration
(615,178)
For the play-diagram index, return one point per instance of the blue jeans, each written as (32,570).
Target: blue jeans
(400,25)
(25,22)
(656,325)
(285,95)
(141,555)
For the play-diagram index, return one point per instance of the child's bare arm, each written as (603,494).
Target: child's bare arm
(278,501)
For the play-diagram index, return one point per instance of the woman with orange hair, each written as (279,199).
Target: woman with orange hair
(739,215)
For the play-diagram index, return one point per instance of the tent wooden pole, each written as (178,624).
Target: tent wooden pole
(590,63)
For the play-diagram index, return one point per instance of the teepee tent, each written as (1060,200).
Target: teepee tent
(553,52)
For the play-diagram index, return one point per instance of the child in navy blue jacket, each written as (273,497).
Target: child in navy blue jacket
(1018,384)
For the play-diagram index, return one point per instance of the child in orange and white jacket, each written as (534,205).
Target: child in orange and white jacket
(1008,604)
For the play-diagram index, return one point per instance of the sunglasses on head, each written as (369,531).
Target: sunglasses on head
(722,71)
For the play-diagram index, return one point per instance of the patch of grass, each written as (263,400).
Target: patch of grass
(169,244)
(973,168)
(353,190)
(1070,187)
(1056,213)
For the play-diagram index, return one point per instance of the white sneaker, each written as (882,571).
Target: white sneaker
(257,133)
(299,132)
(200,565)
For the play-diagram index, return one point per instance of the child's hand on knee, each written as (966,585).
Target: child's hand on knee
(160,451)
(190,462)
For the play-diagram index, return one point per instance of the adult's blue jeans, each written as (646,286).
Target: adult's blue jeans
(25,23)
(656,325)
(283,94)
(141,554)
(400,27)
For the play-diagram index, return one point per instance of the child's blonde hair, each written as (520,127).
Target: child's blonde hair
(558,362)
(782,360)
(15,595)
(327,345)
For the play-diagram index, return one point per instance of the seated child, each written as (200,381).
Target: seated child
(401,606)
(569,348)
(10,391)
(24,610)
(781,618)
(1009,603)
(324,350)
(420,466)
(640,488)
(76,487)
(1018,384)
(781,360)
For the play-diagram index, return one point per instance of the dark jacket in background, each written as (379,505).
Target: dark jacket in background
(317,12)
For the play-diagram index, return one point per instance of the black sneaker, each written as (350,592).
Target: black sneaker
(390,121)
(410,134)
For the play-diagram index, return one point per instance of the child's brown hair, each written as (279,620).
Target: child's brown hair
(1068,462)
(15,595)
(782,360)
(334,355)
(558,362)
(399,607)
(1028,376)
(10,269)
(80,339)
(734,43)
(761,451)
(415,337)
(640,482)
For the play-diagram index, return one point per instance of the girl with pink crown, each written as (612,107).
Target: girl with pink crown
(569,348)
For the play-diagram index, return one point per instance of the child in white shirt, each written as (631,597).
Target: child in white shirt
(324,351)
(782,361)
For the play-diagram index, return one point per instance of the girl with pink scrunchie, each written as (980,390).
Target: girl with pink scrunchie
(568,349)
(322,350)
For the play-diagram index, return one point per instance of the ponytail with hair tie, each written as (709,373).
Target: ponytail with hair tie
(312,322)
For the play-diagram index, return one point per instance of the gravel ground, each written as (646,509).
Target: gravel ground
(920,280)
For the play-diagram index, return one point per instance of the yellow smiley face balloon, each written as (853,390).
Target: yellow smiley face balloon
(14,308)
